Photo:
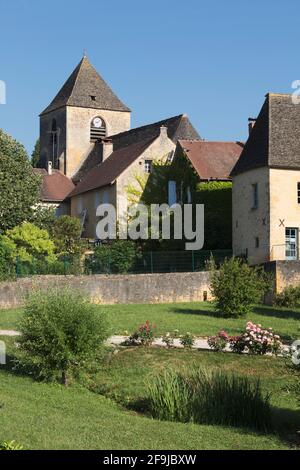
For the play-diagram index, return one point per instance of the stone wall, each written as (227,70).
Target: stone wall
(115,289)
(286,273)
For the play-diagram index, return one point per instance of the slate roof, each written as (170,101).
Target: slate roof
(212,160)
(105,173)
(179,127)
(83,83)
(55,187)
(275,138)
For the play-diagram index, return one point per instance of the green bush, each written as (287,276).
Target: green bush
(7,266)
(289,297)
(209,398)
(119,257)
(60,332)
(237,286)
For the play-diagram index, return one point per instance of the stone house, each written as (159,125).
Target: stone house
(93,155)
(266,185)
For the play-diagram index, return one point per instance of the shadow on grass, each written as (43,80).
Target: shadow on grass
(276,312)
(286,424)
(191,311)
(13,367)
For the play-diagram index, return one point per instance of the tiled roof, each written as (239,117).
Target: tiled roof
(55,187)
(275,138)
(84,83)
(179,127)
(106,173)
(212,160)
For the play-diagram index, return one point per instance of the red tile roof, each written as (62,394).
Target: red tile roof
(106,173)
(212,160)
(55,187)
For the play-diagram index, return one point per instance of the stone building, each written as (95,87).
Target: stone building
(86,138)
(266,185)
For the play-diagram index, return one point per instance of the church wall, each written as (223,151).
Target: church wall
(78,132)
(45,137)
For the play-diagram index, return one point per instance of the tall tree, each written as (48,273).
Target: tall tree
(19,185)
(35,156)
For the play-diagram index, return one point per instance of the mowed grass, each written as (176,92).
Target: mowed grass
(198,318)
(49,416)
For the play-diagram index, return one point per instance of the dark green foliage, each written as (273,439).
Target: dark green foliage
(60,332)
(20,187)
(118,257)
(35,156)
(289,297)
(44,218)
(216,197)
(209,398)
(237,286)
(67,235)
(7,267)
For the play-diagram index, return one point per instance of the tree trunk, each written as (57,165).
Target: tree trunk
(64,378)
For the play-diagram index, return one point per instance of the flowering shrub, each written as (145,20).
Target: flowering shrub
(219,342)
(187,340)
(258,340)
(255,340)
(144,335)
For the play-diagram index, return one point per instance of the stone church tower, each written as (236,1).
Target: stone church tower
(83,111)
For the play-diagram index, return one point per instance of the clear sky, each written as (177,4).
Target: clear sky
(214,60)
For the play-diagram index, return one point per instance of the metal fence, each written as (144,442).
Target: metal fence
(144,263)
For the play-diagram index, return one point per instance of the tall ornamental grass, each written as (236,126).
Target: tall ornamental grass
(206,397)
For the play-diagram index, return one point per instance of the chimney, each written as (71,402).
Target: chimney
(251,124)
(49,169)
(107,148)
(164,131)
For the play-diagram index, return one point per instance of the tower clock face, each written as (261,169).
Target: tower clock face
(97,122)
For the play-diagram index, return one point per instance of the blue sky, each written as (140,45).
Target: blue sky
(214,60)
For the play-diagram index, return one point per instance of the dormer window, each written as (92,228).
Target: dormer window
(98,129)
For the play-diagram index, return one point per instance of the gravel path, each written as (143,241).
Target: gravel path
(200,343)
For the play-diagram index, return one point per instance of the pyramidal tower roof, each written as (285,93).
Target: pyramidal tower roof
(86,89)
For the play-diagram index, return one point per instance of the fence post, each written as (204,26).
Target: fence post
(151,261)
(17,267)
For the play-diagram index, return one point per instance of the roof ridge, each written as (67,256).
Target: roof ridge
(145,125)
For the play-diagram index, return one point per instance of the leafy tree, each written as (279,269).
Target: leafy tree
(30,242)
(237,286)
(35,156)
(216,197)
(67,235)
(60,332)
(44,218)
(19,185)
(7,267)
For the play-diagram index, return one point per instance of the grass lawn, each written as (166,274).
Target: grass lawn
(197,318)
(48,416)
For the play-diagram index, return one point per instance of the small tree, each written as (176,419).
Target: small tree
(30,243)
(7,267)
(237,286)
(119,257)
(44,218)
(60,332)
(67,233)
(35,156)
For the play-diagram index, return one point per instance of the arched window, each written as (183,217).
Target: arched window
(98,129)
(53,132)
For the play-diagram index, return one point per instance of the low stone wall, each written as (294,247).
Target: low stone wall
(115,289)
(287,273)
